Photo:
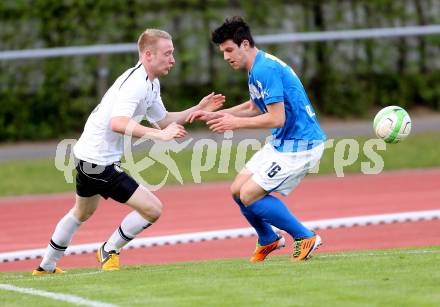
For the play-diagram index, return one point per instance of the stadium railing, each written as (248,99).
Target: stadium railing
(370,33)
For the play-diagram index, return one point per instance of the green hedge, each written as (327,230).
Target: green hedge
(51,98)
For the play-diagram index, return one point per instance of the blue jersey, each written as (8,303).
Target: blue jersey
(270,81)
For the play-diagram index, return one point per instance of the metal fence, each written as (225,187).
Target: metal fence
(371,33)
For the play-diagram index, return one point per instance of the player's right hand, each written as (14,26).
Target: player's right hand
(172,131)
(201,115)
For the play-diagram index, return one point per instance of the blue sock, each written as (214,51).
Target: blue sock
(272,210)
(266,235)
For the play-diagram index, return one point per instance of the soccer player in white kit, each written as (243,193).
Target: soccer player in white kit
(134,96)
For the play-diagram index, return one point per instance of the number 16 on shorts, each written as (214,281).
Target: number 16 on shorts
(273,169)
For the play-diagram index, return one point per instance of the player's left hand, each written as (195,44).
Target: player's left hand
(212,102)
(223,123)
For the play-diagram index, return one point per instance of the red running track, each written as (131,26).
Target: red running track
(28,222)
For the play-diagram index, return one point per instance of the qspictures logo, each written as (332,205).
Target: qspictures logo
(208,155)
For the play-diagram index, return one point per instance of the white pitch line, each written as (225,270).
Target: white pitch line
(73,299)
(233,233)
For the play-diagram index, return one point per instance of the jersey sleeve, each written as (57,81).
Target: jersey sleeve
(271,85)
(156,111)
(127,100)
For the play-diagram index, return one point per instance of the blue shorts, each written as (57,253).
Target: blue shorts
(107,181)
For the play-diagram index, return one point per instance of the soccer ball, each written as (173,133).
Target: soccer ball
(392,124)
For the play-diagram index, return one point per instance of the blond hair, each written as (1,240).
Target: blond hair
(148,39)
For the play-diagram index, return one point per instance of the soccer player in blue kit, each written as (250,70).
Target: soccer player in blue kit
(277,101)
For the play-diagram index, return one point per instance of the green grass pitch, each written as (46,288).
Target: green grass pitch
(400,277)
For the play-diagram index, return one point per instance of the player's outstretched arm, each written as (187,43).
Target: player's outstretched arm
(126,125)
(273,118)
(245,109)
(201,115)
(208,103)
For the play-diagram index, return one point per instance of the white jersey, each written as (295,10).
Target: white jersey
(132,95)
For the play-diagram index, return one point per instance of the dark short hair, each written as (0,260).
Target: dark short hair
(233,28)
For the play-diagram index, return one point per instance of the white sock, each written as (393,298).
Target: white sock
(131,226)
(61,238)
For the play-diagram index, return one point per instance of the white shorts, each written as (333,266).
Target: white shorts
(281,172)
